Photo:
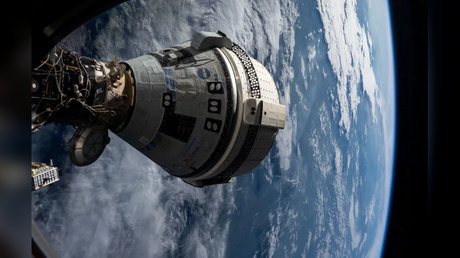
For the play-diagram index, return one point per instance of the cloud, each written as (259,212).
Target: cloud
(324,120)
(268,173)
(311,52)
(331,166)
(339,183)
(357,158)
(319,208)
(324,246)
(293,227)
(360,248)
(300,94)
(302,67)
(369,213)
(302,72)
(282,231)
(286,137)
(377,244)
(320,155)
(320,143)
(355,234)
(311,57)
(272,235)
(124,204)
(348,52)
(307,245)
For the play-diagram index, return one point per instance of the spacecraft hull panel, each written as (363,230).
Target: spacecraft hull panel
(146,115)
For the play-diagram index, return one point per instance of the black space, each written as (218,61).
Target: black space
(409,193)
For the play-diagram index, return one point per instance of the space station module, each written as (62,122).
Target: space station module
(203,110)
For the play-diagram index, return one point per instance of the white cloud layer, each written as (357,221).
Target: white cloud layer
(285,138)
(355,234)
(302,72)
(125,205)
(348,52)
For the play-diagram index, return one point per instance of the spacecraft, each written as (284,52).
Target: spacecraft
(203,110)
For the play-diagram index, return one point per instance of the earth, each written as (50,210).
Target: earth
(324,188)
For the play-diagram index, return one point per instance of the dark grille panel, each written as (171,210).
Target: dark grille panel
(249,69)
(239,159)
(177,126)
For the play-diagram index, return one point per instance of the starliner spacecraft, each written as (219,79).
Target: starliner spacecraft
(203,110)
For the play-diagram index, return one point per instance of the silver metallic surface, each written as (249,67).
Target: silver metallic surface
(199,108)
(145,119)
(203,110)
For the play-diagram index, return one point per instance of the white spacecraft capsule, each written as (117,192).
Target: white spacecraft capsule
(203,110)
